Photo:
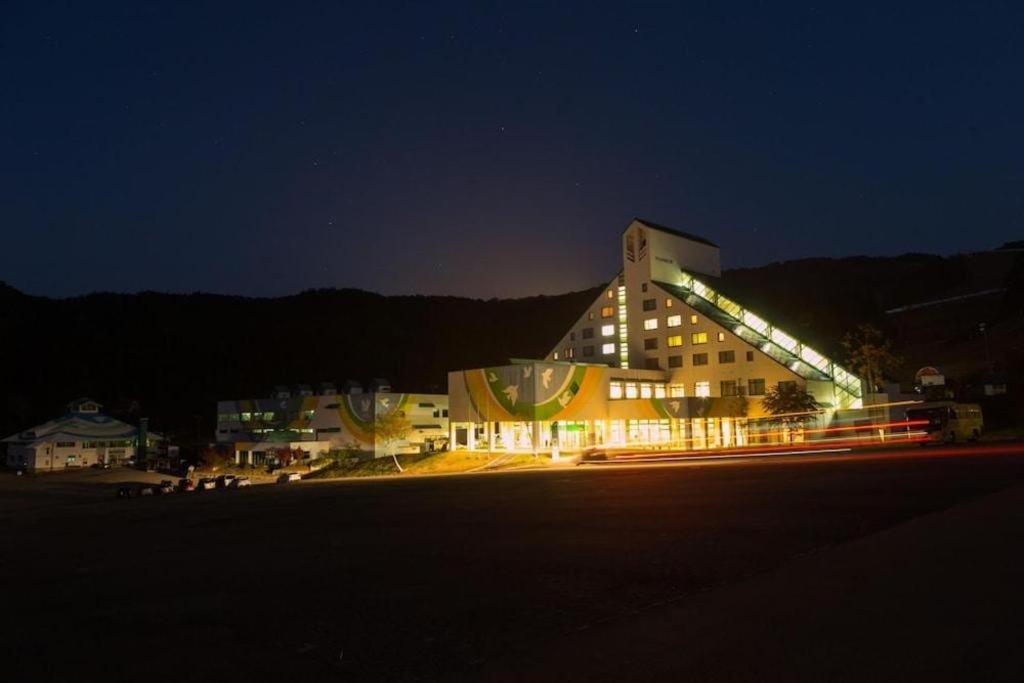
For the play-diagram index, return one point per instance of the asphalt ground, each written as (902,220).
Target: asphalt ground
(472,577)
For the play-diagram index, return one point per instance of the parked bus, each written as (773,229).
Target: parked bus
(948,421)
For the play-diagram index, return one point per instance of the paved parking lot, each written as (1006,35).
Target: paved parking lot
(470,576)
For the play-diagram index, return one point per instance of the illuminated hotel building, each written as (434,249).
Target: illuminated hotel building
(660,358)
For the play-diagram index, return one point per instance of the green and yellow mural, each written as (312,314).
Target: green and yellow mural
(530,392)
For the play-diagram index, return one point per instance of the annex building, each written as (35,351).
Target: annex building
(81,438)
(660,358)
(327,419)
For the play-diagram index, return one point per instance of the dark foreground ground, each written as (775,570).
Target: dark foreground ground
(898,566)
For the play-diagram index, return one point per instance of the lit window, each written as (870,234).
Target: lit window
(693,319)
(674,321)
(721,336)
(676,390)
(570,352)
(606,349)
(675,340)
(699,338)
(590,315)
(702,389)
(668,303)
(607,330)
(646,391)
(659,391)
(556,355)
(608,312)
(631,390)
(651,324)
(615,390)
(611,294)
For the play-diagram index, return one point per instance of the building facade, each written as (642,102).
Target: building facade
(661,357)
(82,438)
(328,420)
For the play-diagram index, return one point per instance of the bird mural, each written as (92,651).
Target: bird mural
(564,399)
(545,377)
(512,392)
(492,378)
(527,371)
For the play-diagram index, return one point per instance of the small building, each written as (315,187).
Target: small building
(315,423)
(82,438)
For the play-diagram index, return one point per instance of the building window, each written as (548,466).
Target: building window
(651,364)
(650,304)
(699,338)
(615,390)
(728,387)
(607,330)
(643,286)
(606,349)
(693,319)
(675,340)
(608,312)
(632,391)
(659,390)
(570,352)
(755,387)
(646,390)
(721,336)
(590,315)
(674,321)
(668,303)
(65,444)
(726,357)
(750,355)
(610,294)
(787,385)
(675,361)
(650,343)
(700,359)
(702,389)
(588,332)
(651,324)
(572,336)
(555,356)
(588,351)
(676,390)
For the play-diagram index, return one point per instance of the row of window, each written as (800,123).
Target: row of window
(625,389)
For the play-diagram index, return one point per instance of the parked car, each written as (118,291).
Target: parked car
(206,484)
(147,490)
(224,480)
(125,492)
(166,486)
(240,482)
(186,485)
(288,477)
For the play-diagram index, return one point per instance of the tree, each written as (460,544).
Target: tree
(870,354)
(214,458)
(790,403)
(389,430)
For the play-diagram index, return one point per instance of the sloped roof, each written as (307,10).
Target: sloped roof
(672,231)
(77,426)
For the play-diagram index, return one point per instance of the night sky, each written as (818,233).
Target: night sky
(489,148)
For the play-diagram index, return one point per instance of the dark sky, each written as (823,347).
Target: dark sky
(492,148)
